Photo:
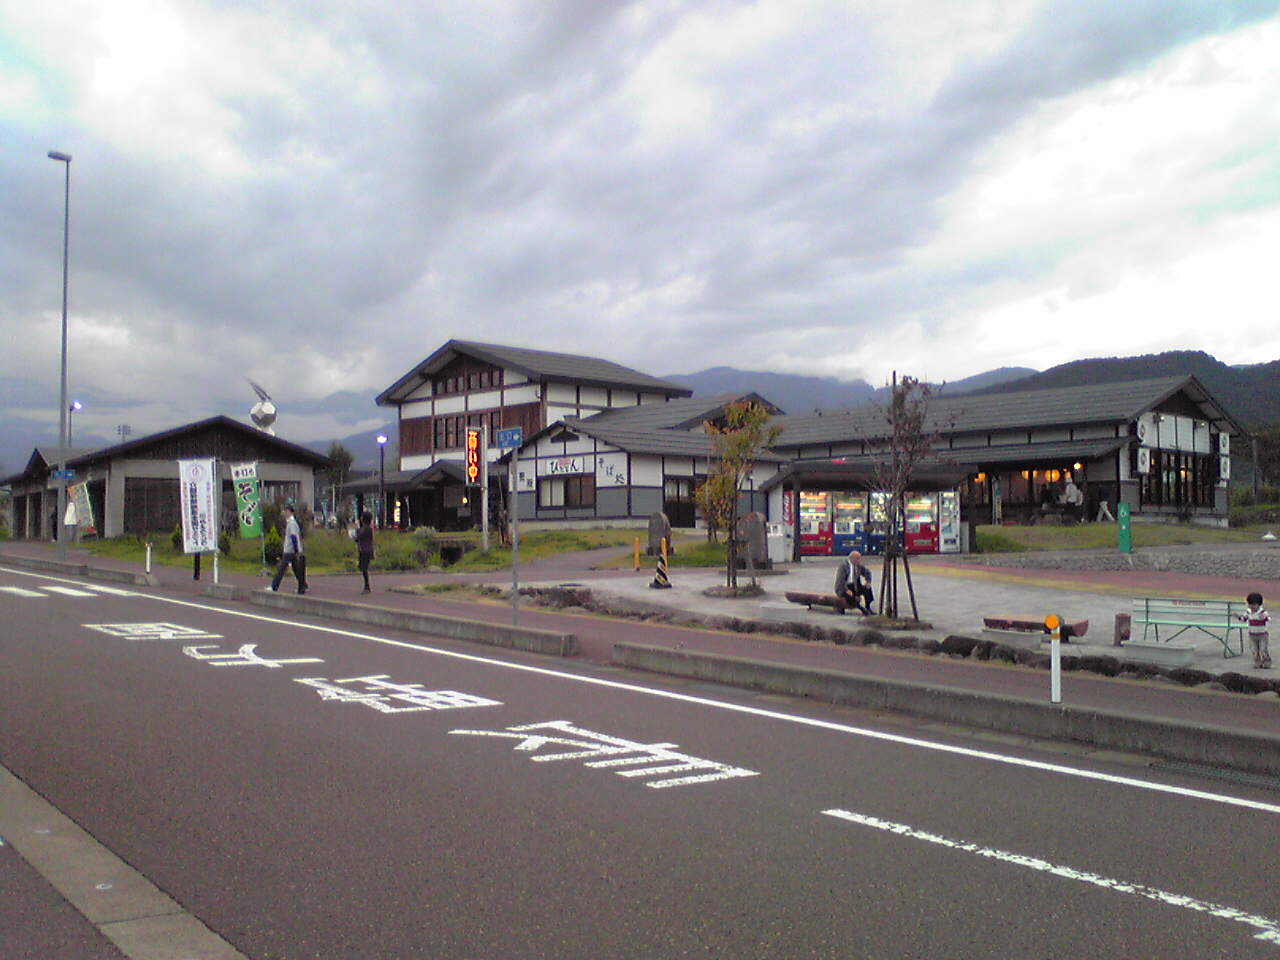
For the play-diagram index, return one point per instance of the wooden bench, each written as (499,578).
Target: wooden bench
(810,600)
(1028,624)
(1217,618)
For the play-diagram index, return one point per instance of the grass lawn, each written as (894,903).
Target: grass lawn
(328,551)
(1003,539)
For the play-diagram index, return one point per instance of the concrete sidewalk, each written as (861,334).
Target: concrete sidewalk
(1155,716)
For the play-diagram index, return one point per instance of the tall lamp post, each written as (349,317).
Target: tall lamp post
(76,407)
(382,481)
(65,159)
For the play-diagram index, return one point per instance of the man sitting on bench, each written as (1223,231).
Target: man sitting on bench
(853,583)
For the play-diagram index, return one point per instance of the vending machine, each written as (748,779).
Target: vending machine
(949,521)
(848,524)
(877,523)
(815,524)
(921,531)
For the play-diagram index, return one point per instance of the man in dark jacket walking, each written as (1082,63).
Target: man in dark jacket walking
(364,546)
(291,554)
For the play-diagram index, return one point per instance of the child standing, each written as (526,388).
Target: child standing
(1257,618)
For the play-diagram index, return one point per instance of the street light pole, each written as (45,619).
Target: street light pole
(382,481)
(65,159)
(76,407)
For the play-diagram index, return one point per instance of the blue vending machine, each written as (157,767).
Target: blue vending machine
(849,524)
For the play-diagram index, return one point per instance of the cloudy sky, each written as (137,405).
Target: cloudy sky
(317,193)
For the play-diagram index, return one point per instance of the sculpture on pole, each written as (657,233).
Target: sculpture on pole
(263,413)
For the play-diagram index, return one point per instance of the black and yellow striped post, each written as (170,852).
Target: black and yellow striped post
(660,579)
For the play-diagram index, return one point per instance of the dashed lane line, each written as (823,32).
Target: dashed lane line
(1268,930)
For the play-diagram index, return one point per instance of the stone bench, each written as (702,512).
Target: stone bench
(811,600)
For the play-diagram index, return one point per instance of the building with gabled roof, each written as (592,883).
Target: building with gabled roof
(133,486)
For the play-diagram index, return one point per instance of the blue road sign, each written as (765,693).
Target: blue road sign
(62,474)
(510,437)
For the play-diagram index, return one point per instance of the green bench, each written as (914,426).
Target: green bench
(1217,618)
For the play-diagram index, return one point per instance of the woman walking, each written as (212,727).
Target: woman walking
(364,546)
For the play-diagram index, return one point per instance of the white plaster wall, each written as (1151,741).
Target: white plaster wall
(452,404)
(679,466)
(562,393)
(646,471)
(521,394)
(652,398)
(482,401)
(559,413)
(595,396)
(422,392)
(419,408)
(419,461)
(513,378)
(611,469)
(1008,436)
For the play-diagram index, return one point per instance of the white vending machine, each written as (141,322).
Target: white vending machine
(949,521)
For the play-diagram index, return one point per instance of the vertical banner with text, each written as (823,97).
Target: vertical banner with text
(244,477)
(79,494)
(196,482)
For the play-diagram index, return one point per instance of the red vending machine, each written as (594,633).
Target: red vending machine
(921,534)
(815,524)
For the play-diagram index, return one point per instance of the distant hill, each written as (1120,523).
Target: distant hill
(796,393)
(1251,394)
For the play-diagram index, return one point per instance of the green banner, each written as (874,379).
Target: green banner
(244,477)
(1123,528)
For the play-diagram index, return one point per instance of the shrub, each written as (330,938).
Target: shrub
(224,544)
(273,545)
(176,539)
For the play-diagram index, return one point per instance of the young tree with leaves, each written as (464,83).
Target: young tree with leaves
(736,444)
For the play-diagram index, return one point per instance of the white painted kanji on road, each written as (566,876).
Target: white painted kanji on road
(378,693)
(656,762)
(244,657)
(153,631)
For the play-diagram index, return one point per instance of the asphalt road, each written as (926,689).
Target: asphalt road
(334,793)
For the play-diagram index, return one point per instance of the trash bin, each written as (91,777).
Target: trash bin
(779,543)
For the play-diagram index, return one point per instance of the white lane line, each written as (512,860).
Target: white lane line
(1268,929)
(1055,768)
(71,592)
(21,592)
(114,591)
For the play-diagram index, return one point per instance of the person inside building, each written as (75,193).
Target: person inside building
(853,583)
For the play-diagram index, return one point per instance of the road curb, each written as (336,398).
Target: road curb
(1113,730)
(81,570)
(530,639)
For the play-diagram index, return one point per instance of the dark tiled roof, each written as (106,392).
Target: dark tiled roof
(1092,403)
(635,439)
(684,413)
(537,365)
(222,422)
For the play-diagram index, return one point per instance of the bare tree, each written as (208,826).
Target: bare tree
(909,440)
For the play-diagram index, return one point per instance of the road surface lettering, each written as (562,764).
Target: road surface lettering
(656,762)
(1268,930)
(380,694)
(153,631)
(244,657)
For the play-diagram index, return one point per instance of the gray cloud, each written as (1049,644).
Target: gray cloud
(453,173)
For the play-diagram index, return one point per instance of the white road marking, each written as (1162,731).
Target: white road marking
(1054,768)
(71,592)
(591,744)
(1268,929)
(20,592)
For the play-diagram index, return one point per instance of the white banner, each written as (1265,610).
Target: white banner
(197,481)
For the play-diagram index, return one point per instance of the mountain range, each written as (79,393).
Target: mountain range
(1250,393)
